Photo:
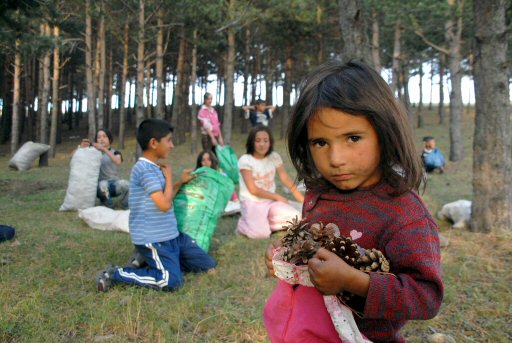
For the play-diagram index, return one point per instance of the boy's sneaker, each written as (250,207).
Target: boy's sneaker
(136,261)
(104,279)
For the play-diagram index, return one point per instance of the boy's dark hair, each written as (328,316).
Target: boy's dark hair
(251,138)
(355,89)
(215,163)
(427,138)
(152,128)
(259,101)
(107,132)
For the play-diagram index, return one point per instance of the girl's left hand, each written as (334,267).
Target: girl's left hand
(328,272)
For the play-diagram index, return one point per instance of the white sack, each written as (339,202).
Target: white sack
(459,212)
(83,180)
(106,219)
(25,155)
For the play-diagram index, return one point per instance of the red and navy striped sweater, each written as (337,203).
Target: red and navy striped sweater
(406,233)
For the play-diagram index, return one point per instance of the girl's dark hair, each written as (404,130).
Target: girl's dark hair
(107,132)
(215,163)
(356,89)
(152,128)
(251,138)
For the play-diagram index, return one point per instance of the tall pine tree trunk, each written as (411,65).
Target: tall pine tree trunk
(160,85)
(193,81)
(397,51)
(230,82)
(354,38)
(442,67)
(45,93)
(16,100)
(492,164)
(139,87)
(102,66)
(91,96)
(124,75)
(178,93)
(287,90)
(453,37)
(55,94)
(376,42)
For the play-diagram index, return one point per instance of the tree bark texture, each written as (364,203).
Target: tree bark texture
(124,75)
(160,85)
(91,96)
(16,100)
(354,38)
(55,94)
(492,162)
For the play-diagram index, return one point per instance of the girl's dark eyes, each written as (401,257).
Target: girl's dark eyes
(319,143)
(354,138)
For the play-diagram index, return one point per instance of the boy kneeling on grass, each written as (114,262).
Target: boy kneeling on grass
(153,226)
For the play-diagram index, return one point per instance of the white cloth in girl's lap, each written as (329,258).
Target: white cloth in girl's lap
(263,171)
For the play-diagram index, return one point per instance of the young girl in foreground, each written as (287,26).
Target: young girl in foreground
(263,210)
(351,142)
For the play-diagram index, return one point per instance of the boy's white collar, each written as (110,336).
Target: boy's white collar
(145,159)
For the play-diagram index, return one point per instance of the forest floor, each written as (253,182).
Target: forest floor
(47,274)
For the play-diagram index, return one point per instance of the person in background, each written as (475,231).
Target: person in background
(166,251)
(260,113)
(350,140)
(432,157)
(263,210)
(205,159)
(109,183)
(211,134)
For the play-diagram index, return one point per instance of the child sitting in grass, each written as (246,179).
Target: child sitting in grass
(153,226)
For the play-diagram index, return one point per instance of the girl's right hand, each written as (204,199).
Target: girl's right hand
(269,253)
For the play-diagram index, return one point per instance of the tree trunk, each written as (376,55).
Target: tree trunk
(45,92)
(354,39)
(287,91)
(319,35)
(247,63)
(160,85)
(101,71)
(55,94)
(16,100)
(395,68)
(91,96)
(269,79)
(178,89)
(193,109)
(420,102)
(492,164)
(139,87)
(148,86)
(453,36)
(375,42)
(124,75)
(109,86)
(440,109)
(230,82)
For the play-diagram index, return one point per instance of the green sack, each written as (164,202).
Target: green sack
(199,204)
(228,161)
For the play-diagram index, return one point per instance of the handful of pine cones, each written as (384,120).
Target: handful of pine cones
(302,241)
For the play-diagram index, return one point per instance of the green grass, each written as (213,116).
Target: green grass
(47,290)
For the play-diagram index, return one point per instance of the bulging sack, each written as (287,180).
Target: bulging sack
(25,155)
(83,180)
(199,204)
